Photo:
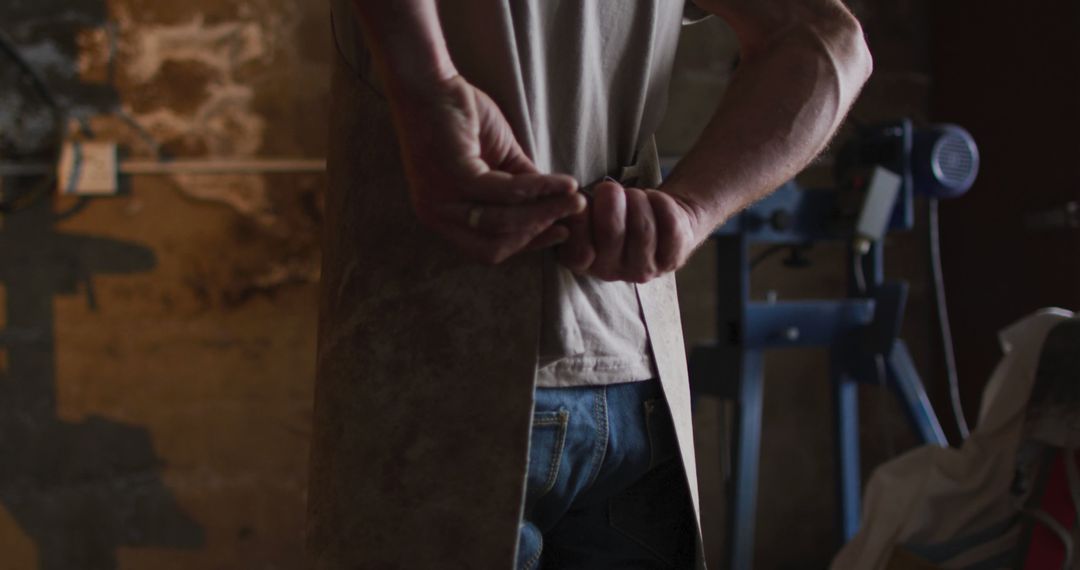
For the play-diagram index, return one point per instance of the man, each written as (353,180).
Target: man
(495,223)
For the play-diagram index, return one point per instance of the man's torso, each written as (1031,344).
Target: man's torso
(584,85)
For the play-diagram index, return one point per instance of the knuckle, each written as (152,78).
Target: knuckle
(583,263)
(605,226)
(670,214)
(648,229)
(578,259)
(644,276)
(645,269)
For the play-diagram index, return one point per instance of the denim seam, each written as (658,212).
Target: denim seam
(600,450)
(561,422)
(549,421)
(531,562)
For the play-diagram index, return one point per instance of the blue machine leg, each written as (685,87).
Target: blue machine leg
(849,483)
(747,427)
(913,396)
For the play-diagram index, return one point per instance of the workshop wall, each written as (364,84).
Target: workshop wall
(1012,245)
(157,348)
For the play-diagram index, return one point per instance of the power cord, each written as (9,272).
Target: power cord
(796,259)
(857,271)
(936,274)
(30,75)
(37,83)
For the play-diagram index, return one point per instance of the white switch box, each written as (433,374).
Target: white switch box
(877,210)
(89,169)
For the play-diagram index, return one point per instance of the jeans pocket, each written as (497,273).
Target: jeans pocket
(661,430)
(545,452)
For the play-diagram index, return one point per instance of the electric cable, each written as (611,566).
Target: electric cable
(936,275)
(74,209)
(8,47)
(60,114)
(37,82)
(31,76)
(769,252)
(159,164)
(1059,531)
(857,272)
(112,33)
(795,260)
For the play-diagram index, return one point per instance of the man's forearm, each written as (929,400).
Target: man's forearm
(407,44)
(800,72)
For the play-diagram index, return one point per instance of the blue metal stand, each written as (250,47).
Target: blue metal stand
(860,331)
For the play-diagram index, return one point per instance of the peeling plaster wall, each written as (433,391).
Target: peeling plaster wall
(155,411)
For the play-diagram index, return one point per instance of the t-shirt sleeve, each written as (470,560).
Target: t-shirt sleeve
(692,14)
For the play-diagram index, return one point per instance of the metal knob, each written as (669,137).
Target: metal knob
(781,220)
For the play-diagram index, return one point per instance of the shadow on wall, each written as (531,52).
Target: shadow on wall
(79,490)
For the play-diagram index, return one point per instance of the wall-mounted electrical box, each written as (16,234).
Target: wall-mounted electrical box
(89,169)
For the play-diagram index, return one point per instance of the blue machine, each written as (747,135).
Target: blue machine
(860,331)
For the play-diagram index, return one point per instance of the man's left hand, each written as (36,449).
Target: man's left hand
(630,234)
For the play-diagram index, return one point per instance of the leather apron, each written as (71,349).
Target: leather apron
(426,370)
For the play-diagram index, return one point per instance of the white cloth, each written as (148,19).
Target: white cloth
(931,494)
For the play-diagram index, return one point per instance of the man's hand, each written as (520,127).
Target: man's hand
(469,179)
(802,64)
(631,234)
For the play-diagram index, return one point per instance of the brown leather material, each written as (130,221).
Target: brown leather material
(426,366)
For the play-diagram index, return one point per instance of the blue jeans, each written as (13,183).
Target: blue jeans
(606,488)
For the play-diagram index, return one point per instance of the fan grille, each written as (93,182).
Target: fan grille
(954,160)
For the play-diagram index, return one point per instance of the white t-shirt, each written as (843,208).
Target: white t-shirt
(584,85)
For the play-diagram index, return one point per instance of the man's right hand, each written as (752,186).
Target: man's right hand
(469,179)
